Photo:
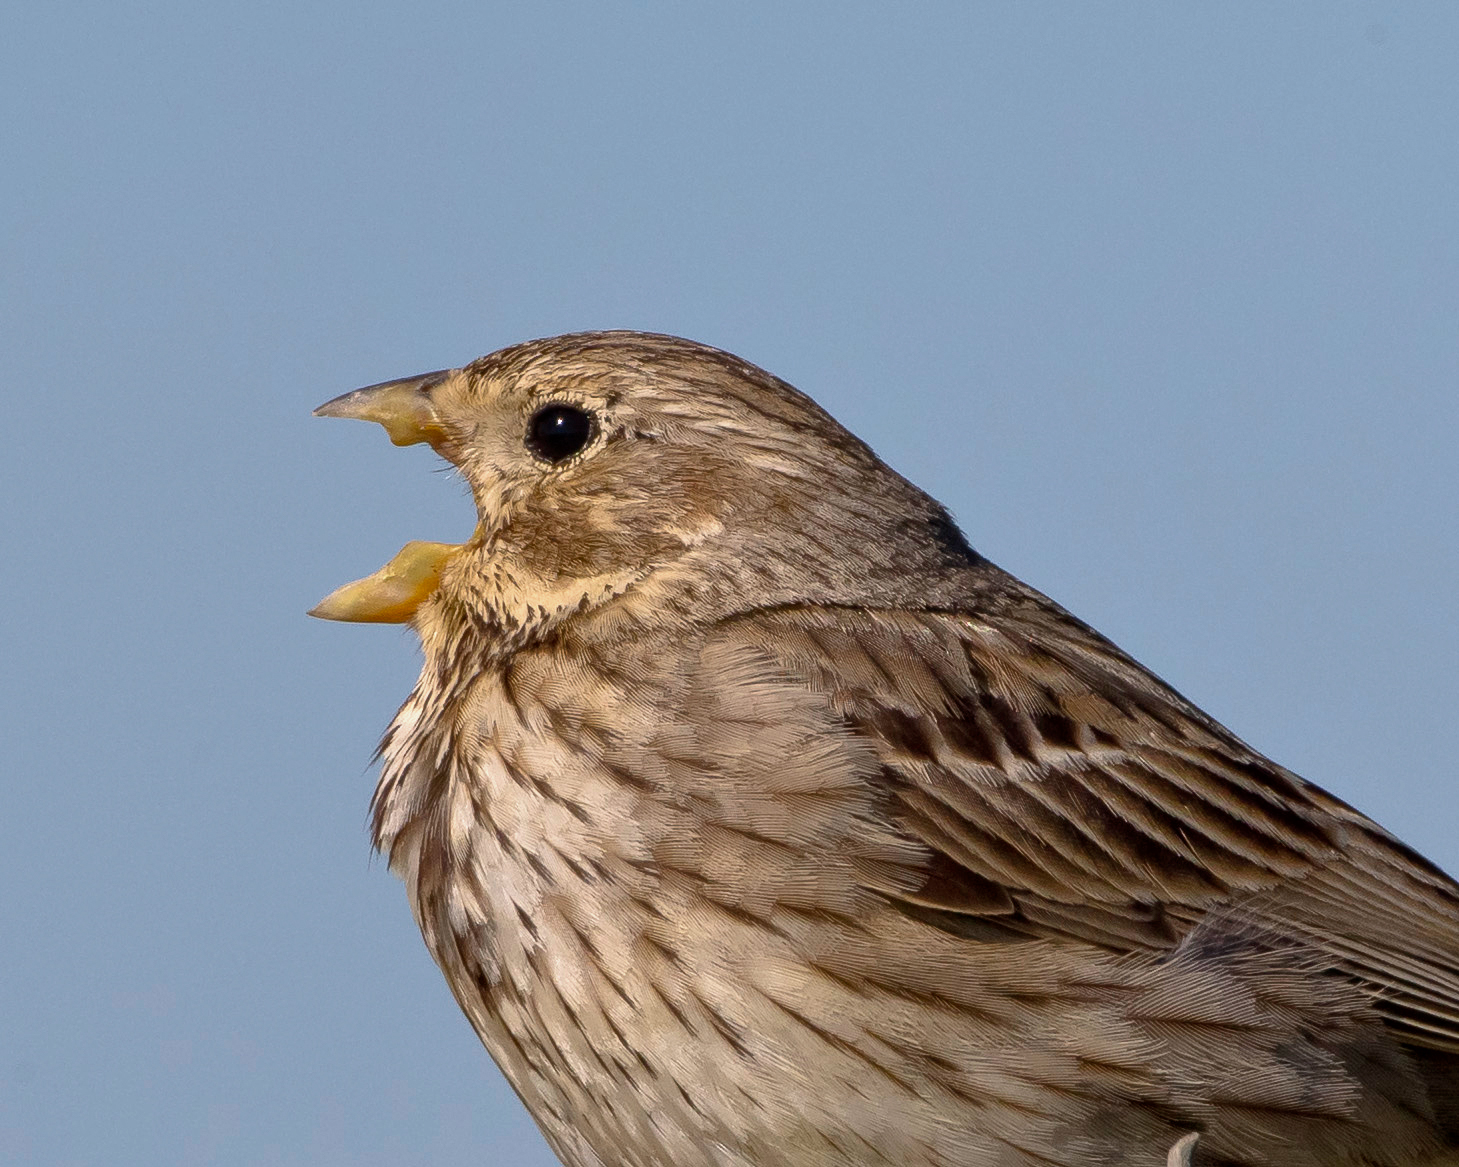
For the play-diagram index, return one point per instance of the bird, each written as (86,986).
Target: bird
(756,820)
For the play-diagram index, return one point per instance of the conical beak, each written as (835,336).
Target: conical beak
(394,593)
(403,407)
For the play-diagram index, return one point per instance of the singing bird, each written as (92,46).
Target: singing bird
(756,820)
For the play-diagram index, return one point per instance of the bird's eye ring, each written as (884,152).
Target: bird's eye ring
(558,431)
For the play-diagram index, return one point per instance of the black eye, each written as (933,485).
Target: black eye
(557,432)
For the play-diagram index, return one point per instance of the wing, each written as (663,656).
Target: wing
(1058,790)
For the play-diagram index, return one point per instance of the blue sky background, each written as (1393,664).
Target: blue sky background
(1161,299)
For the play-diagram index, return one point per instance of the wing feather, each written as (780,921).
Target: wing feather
(1061,791)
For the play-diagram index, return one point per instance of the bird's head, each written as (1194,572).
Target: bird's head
(623,466)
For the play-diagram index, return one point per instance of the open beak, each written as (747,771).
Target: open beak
(394,593)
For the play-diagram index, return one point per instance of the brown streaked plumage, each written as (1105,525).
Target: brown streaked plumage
(755,819)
